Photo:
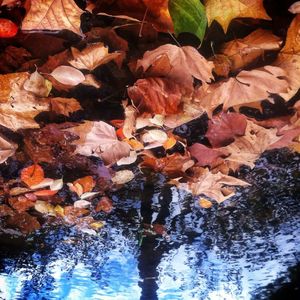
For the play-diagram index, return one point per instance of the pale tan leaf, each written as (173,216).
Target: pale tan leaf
(295,8)
(53,15)
(128,160)
(38,85)
(92,56)
(67,75)
(56,185)
(122,177)
(82,204)
(7,149)
(99,139)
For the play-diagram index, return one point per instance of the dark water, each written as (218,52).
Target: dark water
(245,248)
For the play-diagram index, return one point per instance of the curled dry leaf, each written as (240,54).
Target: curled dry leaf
(38,85)
(32,175)
(99,139)
(64,106)
(122,177)
(93,56)
(156,95)
(222,129)
(67,75)
(44,208)
(224,11)
(7,149)
(53,15)
(89,195)
(186,62)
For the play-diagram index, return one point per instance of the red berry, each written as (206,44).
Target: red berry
(7,28)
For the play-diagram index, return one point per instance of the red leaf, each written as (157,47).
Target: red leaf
(8,28)
(45,193)
(222,129)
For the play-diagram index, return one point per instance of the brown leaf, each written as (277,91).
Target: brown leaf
(186,63)
(105,204)
(53,15)
(25,222)
(5,211)
(55,61)
(7,149)
(156,95)
(205,156)
(174,165)
(99,139)
(211,185)
(64,106)
(222,129)
(93,56)
(18,106)
(21,204)
(223,11)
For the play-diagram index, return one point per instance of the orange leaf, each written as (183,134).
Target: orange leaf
(120,134)
(86,182)
(205,203)
(105,204)
(169,143)
(32,175)
(45,193)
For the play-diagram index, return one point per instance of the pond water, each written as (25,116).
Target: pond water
(245,248)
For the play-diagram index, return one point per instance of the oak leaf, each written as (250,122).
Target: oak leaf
(246,88)
(99,139)
(211,185)
(18,106)
(186,62)
(53,15)
(64,106)
(93,56)
(224,11)
(7,149)
(223,128)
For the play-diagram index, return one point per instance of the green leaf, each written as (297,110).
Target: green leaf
(188,16)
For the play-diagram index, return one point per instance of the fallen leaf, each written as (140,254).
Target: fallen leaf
(224,11)
(89,195)
(211,185)
(99,139)
(53,15)
(7,149)
(97,225)
(128,160)
(105,204)
(246,88)
(222,129)
(8,28)
(45,193)
(295,8)
(205,203)
(44,183)
(156,95)
(64,106)
(5,211)
(45,208)
(25,222)
(92,56)
(67,75)
(242,52)
(21,203)
(169,143)
(205,156)
(56,185)
(122,177)
(18,106)
(32,175)
(87,183)
(82,204)
(18,191)
(38,85)
(186,63)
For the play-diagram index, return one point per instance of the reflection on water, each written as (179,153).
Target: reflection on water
(233,251)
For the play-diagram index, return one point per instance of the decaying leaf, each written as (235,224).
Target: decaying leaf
(186,63)
(53,15)
(67,75)
(64,106)
(18,106)
(99,139)
(223,11)
(93,56)
(7,149)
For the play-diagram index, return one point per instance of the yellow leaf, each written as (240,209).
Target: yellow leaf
(223,11)
(53,15)
(169,143)
(97,225)
(205,203)
(59,210)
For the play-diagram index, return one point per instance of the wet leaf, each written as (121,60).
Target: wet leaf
(188,16)
(32,175)
(224,11)
(67,75)
(53,15)
(122,177)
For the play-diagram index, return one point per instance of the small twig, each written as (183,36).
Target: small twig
(173,37)
(143,21)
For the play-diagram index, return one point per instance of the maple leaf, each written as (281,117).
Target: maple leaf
(156,95)
(185,62)
(223,11)
(18,106)
(53,15)
(99,139)
(245,150)
(242,52)
(246,88)
(7,149)
(64,106)
(222,129)
(211,185)
(93,56)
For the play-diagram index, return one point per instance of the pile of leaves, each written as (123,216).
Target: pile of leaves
(91,90)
